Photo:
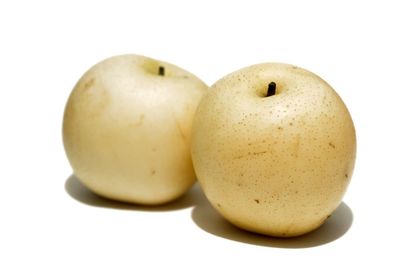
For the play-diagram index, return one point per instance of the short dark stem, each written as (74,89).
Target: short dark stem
(161,71)
(271,89)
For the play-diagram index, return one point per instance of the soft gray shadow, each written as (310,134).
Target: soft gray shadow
(81,193)
(207,218)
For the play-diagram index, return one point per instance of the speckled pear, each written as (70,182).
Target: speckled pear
(273,147)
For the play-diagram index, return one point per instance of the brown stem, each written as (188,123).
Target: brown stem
(161,71)
(271,89)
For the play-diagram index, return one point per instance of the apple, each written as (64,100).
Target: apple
(127,129)
(273,147)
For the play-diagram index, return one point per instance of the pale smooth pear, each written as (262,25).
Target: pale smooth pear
(127,129)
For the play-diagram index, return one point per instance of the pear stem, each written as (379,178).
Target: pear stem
(271,89)
(161,71)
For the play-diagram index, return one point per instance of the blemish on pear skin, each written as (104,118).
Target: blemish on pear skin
(153,172)
(331,145)
(280,128)
(218,205)
(259,153)
(257,201)
(99,103)
(89,83)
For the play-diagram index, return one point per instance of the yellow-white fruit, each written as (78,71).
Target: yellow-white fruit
(276,165)
(127,129)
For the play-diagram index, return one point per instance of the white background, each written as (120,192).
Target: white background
(48,219)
